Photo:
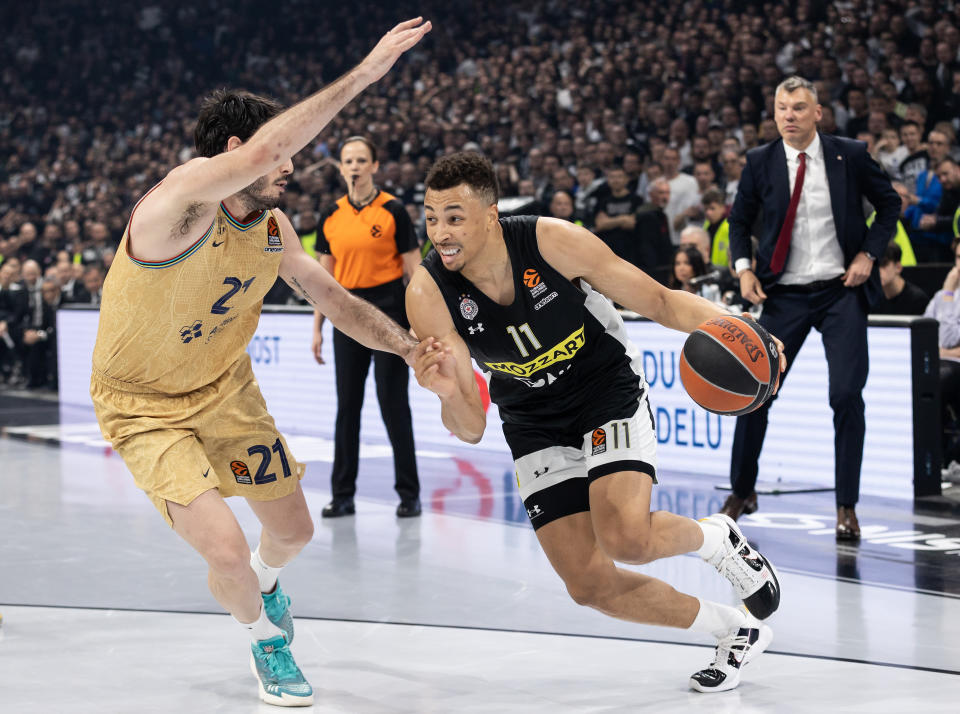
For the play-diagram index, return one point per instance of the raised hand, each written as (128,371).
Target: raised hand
(393,44)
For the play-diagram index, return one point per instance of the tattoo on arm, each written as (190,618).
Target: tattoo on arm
(303,292)
(382,332)
(364,323)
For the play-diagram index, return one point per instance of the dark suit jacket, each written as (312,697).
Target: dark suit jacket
(852,174)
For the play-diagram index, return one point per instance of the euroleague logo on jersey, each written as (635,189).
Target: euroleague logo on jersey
(274,244)
(599,441)
(531,278)
(240,472)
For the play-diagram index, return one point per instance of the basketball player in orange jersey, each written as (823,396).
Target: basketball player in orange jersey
(525,299)
(172,384)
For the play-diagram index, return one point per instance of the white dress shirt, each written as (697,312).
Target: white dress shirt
(815,252)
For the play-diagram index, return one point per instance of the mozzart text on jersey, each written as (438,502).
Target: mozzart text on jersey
(563,350)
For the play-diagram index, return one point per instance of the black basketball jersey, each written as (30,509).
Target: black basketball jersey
(553,354)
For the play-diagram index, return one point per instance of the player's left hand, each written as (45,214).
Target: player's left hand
(393,44)
(435,368)
(859,271)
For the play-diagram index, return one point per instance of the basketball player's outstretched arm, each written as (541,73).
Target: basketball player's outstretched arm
(193,190)
(442,360)
(576,253)
(357,318)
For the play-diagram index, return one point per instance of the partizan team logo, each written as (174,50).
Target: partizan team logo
(274,244)
(468,308)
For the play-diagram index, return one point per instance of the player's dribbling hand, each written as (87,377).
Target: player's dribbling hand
(780,348)
(435,368)
(393,44)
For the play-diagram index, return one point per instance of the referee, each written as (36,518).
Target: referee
(367,241)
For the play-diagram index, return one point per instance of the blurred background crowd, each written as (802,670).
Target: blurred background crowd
(632,119)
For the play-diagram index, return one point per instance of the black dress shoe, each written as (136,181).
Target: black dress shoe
(336,509)
(848,528)
(735,506)
(409,508)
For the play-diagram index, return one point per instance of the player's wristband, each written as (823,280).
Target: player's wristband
(948,293)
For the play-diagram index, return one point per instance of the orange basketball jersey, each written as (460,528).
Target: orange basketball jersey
(366,242)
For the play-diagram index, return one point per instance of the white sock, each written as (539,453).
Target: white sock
(713,534)
(265,574)
(717,619)
(262,628)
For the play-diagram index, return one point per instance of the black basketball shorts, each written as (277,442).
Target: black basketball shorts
(554,476)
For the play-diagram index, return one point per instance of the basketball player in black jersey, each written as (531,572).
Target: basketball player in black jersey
(525,299)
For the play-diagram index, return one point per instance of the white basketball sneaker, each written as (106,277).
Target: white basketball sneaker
(734,651)
(748,571)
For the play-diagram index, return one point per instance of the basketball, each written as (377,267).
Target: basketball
(730,365)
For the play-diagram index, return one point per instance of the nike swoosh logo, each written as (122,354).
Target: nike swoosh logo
(206,472)
(215,244)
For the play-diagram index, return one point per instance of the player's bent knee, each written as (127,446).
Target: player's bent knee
(229,560)
(626,545)
(594,587)
(585,592)
(294,533)
(303,532)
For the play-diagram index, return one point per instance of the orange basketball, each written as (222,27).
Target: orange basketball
(730,365)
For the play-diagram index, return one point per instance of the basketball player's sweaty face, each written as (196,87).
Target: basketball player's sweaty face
(457,224)
(264,193)
(796,114)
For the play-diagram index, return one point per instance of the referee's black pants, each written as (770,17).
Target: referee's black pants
(839,315)
(391,376)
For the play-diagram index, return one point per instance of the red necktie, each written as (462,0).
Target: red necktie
(783,240)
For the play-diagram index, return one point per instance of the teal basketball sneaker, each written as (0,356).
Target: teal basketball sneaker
(281,681)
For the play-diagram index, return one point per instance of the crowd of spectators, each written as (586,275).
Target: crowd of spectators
(629,118)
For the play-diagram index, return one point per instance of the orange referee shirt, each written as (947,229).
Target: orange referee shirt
(366,242)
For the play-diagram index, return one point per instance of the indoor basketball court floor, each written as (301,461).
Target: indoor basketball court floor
(106,610)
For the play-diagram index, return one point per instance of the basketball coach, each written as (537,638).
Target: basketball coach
(814,268)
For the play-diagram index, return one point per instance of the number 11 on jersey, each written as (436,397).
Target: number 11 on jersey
(525,329)
(625,427)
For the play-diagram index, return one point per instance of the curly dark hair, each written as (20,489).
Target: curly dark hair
(231,112)
(465,167)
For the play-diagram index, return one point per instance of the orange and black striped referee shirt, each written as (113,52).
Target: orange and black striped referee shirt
(367,242)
